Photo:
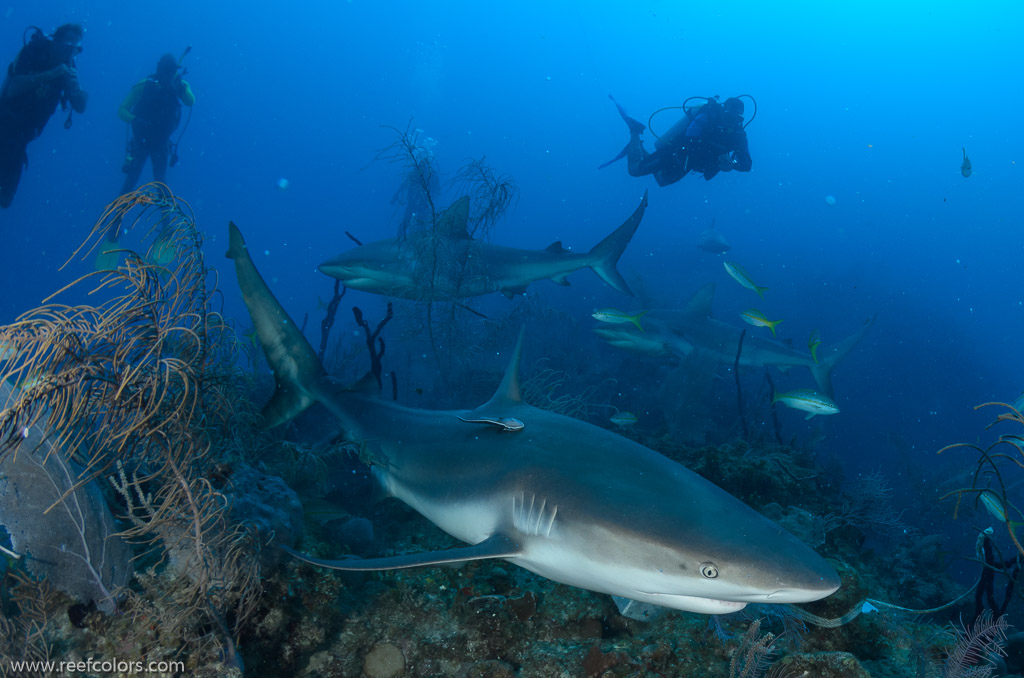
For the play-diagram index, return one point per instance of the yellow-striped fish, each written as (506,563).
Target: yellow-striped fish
(807,400)
(617,317)
(623,419)
(994,504)
(7,351)
(743,278)
(991,501)
(754,317)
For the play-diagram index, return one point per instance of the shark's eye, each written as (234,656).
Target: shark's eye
(709,570)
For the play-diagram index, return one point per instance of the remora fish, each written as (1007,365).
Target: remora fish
(570,501)
(417,267)
(674,333)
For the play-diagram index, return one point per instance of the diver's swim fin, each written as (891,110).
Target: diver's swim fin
(622,154)
(635,126)
(109,256)
(163,249)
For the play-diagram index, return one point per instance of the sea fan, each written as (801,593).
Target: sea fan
(754,653)
(974,645)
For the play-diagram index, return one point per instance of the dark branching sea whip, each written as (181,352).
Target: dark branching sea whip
(375,343)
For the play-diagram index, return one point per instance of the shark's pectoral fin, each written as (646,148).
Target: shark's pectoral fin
(699,305)
(562,280)
(513,291)
(495,546)
(286,403)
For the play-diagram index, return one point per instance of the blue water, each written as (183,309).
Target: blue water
(868,105)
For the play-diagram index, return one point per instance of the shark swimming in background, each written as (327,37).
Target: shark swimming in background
(560,497)
(674,333)
(445,264)
(712,241)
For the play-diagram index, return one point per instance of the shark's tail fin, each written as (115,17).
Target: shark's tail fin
(822,371)
(606,253)
(297,370)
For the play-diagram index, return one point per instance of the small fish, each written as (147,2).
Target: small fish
(965,166)
(743,278)
(991,501)
(994,504)
(813,343)
(7,351)
(510,424)
(623,419)
(617,317)
(31,381)
(808,401)
(754,317)
(323,511)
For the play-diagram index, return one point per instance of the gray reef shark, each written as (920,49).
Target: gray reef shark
(560,497)
(712,241)
(445,264)
(678,333)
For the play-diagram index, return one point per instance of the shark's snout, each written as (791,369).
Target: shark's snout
(338,268)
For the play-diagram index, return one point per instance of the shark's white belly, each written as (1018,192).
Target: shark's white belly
(469,520)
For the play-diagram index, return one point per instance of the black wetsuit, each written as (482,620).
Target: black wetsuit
(725,139)
(157,114)
(709,136)
(23,116)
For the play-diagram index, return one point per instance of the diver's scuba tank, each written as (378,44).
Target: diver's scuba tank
(690,112)
(173,161)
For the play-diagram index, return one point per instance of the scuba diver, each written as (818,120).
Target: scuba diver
(709,138)
(153,110)
(42,75)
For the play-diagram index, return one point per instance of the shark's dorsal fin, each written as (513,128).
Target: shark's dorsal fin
(508,393)
(556,247)
(495,546)
(452,222)
(699,305)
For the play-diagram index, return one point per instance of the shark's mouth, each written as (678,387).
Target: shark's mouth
(692,603)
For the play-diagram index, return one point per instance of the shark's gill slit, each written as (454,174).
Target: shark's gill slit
(551,521)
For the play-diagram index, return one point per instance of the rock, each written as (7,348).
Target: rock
(596,662)
(823,665)
(384,660)
(357,535)
(1014,653)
